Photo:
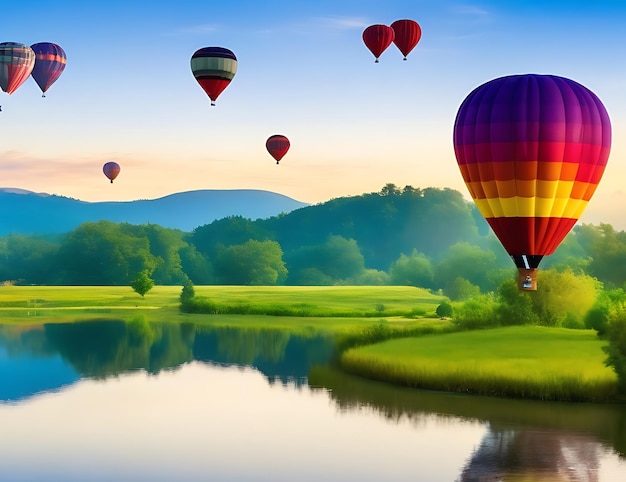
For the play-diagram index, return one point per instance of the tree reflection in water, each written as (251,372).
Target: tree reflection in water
(525,440)
(107,348)
(533,454)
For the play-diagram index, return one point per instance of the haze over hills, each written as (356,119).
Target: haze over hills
(27,212)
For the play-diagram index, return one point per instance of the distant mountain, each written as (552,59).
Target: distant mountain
(26,212)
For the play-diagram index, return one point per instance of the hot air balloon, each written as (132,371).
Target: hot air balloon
(532,150)
(50,61)
(277,145)
(111,170)
(213,68)
(407,34)
(377,38)
(16,64)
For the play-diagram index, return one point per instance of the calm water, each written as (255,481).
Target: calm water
(109,401)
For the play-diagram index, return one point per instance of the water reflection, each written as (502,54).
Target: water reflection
(534,454)
(525,440)
(357,436)
(39,358)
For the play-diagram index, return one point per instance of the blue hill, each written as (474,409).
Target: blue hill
(26,212)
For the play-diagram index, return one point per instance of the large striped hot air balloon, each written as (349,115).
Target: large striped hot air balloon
(532,150)
(277,145)
(50,62)
(213,68)
(377,38)
(16,64)
(407,33)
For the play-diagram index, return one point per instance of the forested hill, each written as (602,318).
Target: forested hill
(385,224)
(432,238)
(25,212)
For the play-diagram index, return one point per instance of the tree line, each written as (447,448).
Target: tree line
(431,238)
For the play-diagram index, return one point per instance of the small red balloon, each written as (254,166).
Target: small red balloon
(407,34)
(277,145)
(377,38)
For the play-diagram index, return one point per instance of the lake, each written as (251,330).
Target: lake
(115,401)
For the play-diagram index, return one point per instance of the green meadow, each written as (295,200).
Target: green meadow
(337,309)
(388,333)
(522,361)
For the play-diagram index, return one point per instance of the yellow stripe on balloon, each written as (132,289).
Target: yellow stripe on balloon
(531,207)
(517,187)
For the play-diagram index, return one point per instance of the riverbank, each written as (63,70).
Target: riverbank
(378,330)
(520,361)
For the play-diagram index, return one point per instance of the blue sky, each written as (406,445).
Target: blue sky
(128,95)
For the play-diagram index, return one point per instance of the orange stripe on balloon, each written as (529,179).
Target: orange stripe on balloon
(52,58)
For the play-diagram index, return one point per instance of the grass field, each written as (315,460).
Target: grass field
(337,309)
(524,361)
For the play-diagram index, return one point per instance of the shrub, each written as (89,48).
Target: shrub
(444,310)
(477,312)
(616,349)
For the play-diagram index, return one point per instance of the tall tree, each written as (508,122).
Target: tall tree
(251,263)
(102,253)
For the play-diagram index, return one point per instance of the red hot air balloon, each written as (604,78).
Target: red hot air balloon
(377,38)
(16,63)
(213,68)
(532,150)
(50,62)
(277,145)
(111,170)
(407,33)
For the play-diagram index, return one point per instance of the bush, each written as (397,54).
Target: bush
(444,310)
(477,312)
(199,304)
(616,349)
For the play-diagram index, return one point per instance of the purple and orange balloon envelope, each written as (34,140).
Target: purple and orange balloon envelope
(531,149)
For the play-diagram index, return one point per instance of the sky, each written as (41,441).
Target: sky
(128,95)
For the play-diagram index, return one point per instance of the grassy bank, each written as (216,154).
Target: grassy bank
(337,309)
(527,362)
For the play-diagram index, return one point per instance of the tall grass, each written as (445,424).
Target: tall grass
(335,301)
(527,362)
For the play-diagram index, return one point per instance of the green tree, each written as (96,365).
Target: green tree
(444,310)
(142,283)
(165,245)
(229,231)
(103,253)
(464,260)
(370,277)
(413,270)
(251,263)
(197,266)
(616,349)
(461,289)
(188,292)
(563,296)
(607,250)
(514,307)
(29,259)
(337,259)
(477,312)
